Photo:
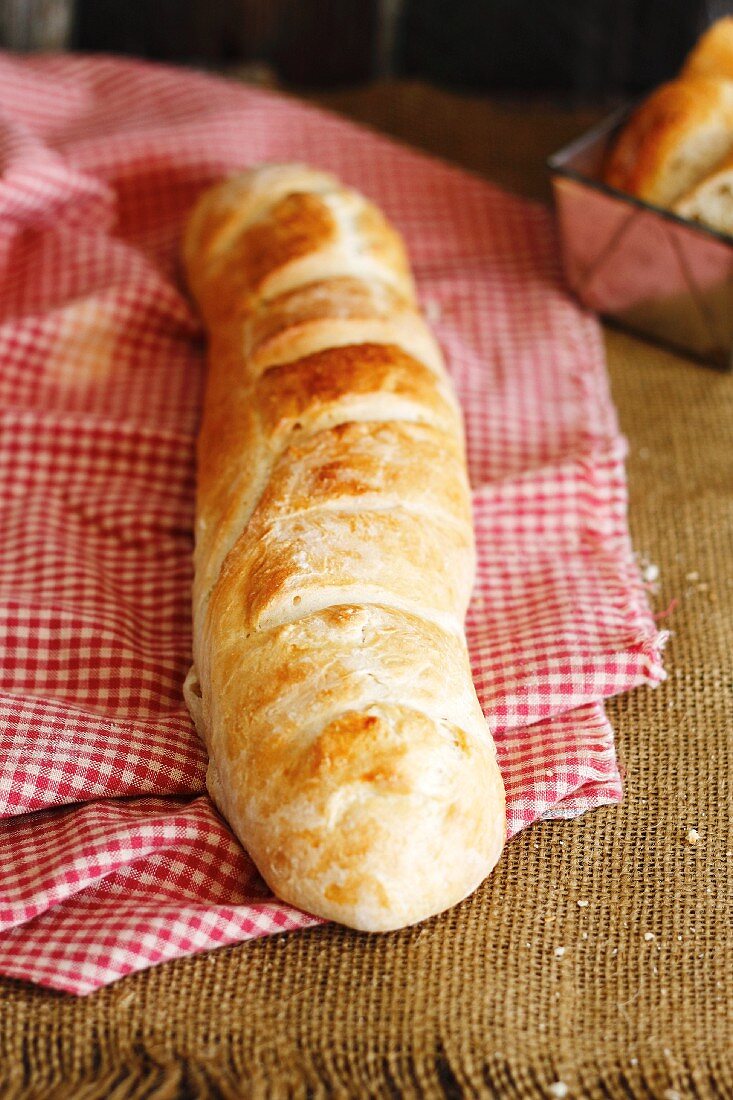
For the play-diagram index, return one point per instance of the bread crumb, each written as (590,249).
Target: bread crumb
(585,936)
(692,576)
(650,572)
(559,952)
(671,1094)
(648,936)
(633,1061)
(558,1089)
(693,837)
(583,904)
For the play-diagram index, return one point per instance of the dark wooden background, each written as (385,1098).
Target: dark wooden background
(590,49)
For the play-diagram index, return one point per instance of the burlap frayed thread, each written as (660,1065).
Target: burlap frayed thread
(453,1073)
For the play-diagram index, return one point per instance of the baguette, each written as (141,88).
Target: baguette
(675,138)
(712,55)
(711,201)
(334,562)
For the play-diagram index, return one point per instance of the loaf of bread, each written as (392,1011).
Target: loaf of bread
(711,201)
(675,138)
(676,149)
(334,561)
(712,55)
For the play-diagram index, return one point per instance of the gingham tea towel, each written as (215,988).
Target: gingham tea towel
(111,855)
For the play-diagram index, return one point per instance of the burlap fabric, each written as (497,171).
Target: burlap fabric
(480,1001)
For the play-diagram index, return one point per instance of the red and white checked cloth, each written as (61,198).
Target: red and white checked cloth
(111,856)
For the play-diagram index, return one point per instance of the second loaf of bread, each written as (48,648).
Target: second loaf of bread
(334,561)
(677,135)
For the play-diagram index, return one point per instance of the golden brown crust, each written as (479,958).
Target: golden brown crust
(677,135)
(294,228)
(239,248)
(367,763)
(713,53)
(365,381)
(334,312)
(224,211)
(288,404)
(334,562)
(342,658)
(366,879)
(370,465)
(324,557)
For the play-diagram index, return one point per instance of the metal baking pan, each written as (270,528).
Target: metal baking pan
(649,271)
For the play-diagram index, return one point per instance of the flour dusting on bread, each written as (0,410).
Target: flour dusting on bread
(334,561)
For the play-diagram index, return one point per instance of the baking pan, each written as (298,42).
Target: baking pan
(653,273)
